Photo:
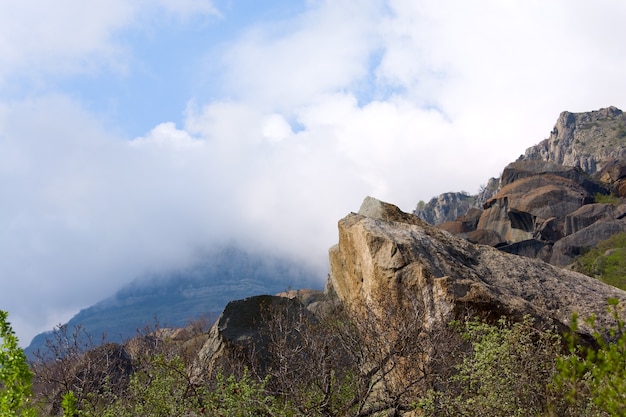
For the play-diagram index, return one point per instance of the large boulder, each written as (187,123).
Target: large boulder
(384,251)
(240,335)
(589,214)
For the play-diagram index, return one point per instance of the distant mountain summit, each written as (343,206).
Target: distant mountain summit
(449,206)
(176,298)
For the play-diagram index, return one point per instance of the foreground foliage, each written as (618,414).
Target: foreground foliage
(508,371)
(327,366)
(597,375)
(15,376)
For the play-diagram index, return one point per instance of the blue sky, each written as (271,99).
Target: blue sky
(135,134)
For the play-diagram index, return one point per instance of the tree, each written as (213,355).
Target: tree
(15,376)
(356,361)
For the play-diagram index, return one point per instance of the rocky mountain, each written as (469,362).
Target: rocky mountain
(589,140)
(449,206)
(584,140)
(177,297)
(381,327)
(560,198)
(390,261)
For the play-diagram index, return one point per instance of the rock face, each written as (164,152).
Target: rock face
(547,211)
(534,200)
(447,207)
(543,206)
(383,250)
(584,140)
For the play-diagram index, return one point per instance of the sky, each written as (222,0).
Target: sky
(134,135)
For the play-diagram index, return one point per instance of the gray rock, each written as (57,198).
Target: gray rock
(587,215)
(449,206)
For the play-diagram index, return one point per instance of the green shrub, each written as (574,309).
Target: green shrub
(597,375)
(507,372)
(606,199)
(15,376)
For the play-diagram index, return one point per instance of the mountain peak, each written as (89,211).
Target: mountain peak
(585,140)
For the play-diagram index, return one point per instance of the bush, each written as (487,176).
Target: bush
(606,199)
(597,376)
(15,376)
(508,371)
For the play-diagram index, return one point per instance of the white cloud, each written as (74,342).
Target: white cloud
(60,36)
(276,128)
(286,64)
(67,37)
(166,135)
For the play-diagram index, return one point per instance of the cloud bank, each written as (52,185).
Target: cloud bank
(293,123)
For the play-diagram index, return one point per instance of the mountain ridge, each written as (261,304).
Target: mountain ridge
(174,299)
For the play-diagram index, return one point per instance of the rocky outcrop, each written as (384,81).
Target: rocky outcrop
(447,207)
(542,198)
(384,251)
(534,200)
(584,140)
(544,210)
(240,334)
(613,173)
(565,250)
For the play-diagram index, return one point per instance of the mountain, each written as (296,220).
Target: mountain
(176,298)
(381,328)
(398,282)
(585,140)
(564,196)
(588,140)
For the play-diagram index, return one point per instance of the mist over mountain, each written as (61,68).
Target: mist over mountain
(176,297)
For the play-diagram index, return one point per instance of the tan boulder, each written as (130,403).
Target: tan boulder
(382,251)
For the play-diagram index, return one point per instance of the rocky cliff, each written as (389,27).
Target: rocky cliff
(584,140)
(449,206)
(546,203)
(592,141)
